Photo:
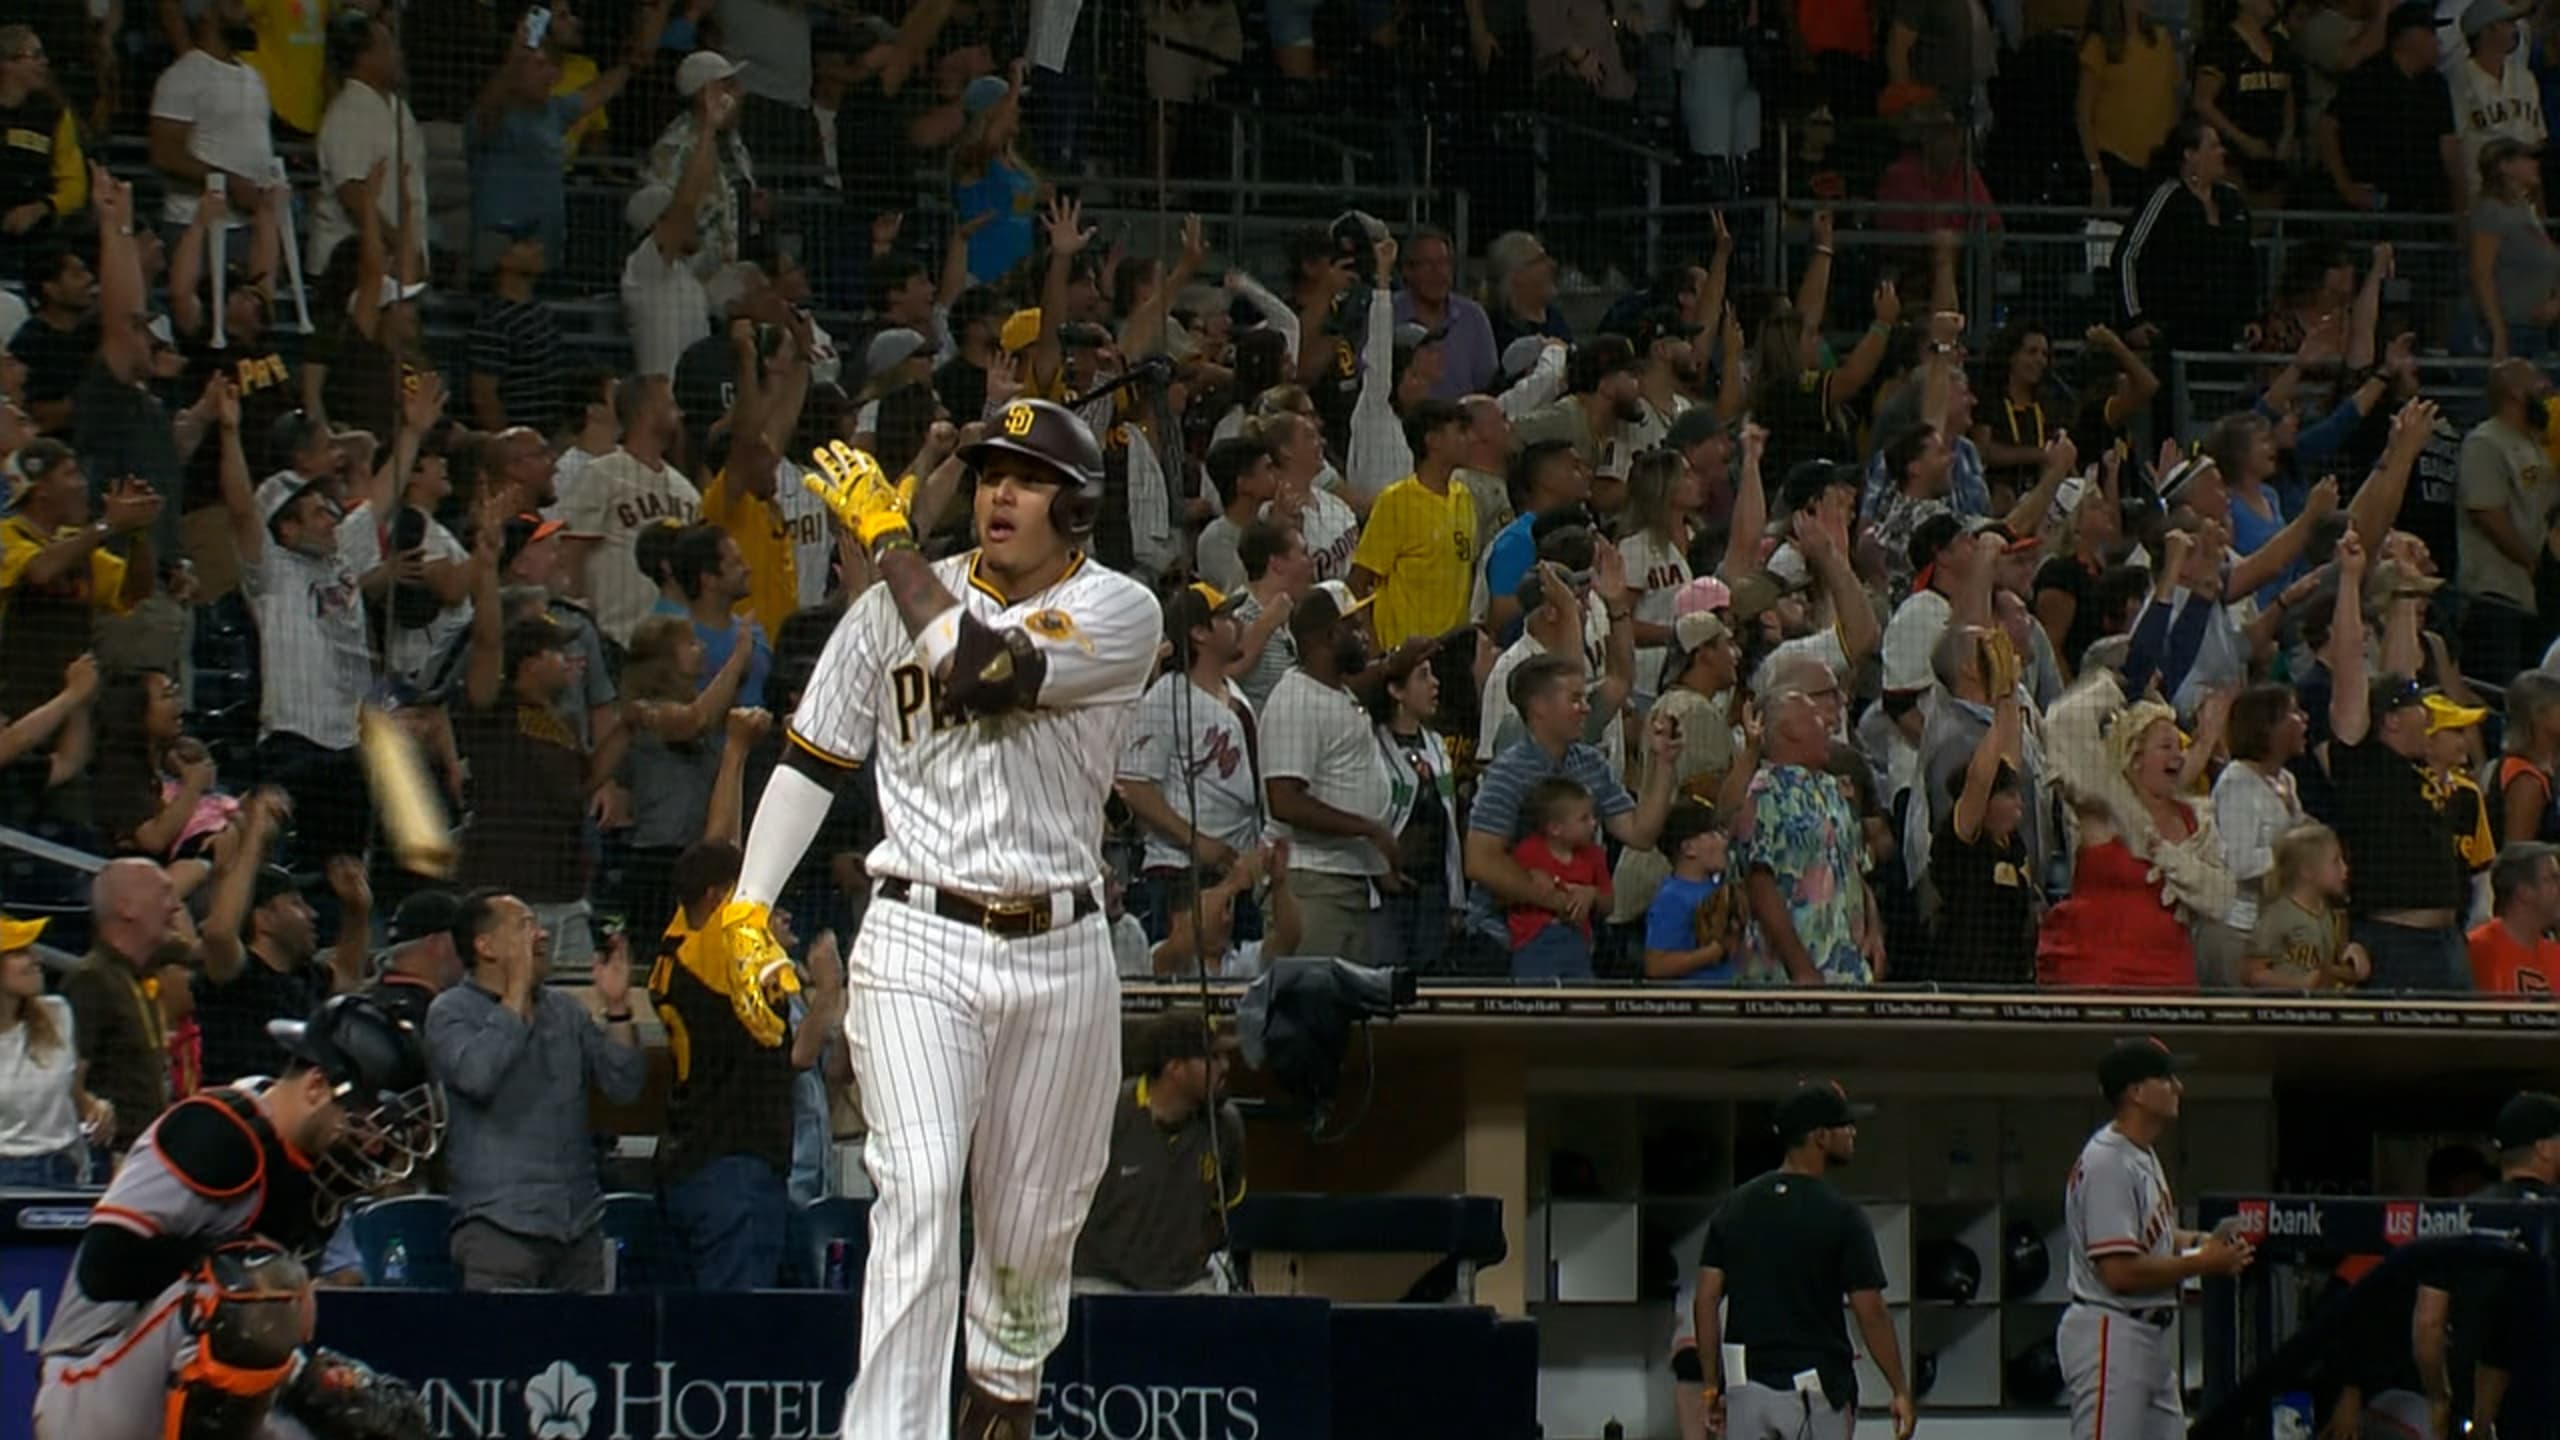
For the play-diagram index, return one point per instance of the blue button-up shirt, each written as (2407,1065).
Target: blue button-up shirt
(517,1143)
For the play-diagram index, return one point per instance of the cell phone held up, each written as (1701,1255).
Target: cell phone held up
(537,24)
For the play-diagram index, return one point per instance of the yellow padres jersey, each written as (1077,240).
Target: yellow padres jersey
(1009,805)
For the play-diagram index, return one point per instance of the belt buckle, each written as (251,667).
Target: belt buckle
(1035,914)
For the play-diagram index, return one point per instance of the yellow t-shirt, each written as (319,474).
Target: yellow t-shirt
(292,57)
(1421,544)
(20,542)
(765,543)
(2137,96)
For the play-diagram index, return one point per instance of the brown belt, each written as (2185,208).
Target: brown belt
(1035,915)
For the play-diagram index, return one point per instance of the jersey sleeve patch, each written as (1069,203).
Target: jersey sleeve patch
(209,1148)
(1057,627)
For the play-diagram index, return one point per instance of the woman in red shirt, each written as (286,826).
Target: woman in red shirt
(2148,861)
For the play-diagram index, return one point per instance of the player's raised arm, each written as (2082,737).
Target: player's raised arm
(1039,481)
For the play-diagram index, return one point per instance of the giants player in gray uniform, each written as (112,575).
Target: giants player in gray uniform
(994,692)
(188,1309)
(2118,1342)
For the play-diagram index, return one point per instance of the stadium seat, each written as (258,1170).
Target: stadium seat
(648,1254)
(419,1226)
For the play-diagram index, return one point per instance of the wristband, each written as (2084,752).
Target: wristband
(940,636)
(1824,250)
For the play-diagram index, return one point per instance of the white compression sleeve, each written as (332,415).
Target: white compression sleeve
(787,819)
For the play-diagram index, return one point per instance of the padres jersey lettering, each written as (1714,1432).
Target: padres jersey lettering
(806,529)
(923,708)
(1421,544)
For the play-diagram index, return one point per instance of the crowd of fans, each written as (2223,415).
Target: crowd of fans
(1715,644)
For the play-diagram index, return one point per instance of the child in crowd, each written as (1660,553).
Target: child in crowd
(1544,944)
(1694,923)
(1988,901)
(2301,942)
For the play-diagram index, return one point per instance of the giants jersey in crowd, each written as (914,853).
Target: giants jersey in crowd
(1007,806)
(210,1169)
(609,501)
(2118,1203)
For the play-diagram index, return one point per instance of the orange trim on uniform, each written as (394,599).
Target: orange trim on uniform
(128,1219)
(818,750)
(256,1178)
(2100,1432)
(2126,1245)
(74,1374)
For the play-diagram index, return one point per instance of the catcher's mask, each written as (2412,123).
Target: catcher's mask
(377,1071)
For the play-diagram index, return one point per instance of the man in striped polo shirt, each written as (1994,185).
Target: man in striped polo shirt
(1548,692)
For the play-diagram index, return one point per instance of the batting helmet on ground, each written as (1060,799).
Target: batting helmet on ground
(1052,435)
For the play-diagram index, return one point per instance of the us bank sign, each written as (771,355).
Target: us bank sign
(656,1402)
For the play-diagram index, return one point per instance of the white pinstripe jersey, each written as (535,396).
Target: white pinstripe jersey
(312,648)
(1009,806)
(2118,1203)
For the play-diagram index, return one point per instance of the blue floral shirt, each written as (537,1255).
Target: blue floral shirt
(1798,825)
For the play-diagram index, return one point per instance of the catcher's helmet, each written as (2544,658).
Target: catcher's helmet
(1056,437)
(377,1065)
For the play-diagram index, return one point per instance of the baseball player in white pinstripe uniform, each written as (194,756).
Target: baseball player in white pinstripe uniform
(994,692)
(2118,1342)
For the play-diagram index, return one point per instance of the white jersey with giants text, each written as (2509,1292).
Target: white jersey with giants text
(609,502)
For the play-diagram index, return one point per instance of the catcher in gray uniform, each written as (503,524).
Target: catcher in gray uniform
(188,1311)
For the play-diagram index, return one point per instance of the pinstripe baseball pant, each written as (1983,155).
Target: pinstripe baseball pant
(997,1060)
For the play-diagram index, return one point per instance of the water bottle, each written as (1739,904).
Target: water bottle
(395,1262)
(837,1276)
(1613,1430)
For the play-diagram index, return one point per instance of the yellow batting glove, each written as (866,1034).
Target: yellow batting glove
(860,493)
(761,977)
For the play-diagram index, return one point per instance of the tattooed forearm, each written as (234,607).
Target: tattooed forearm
(918,592)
